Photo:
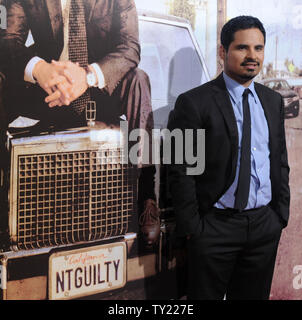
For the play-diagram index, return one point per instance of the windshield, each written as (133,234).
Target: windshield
(278,85)
(169,57)
(293,82)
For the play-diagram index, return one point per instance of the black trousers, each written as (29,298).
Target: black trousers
(234,255)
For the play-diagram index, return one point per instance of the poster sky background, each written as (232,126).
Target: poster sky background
(282,20)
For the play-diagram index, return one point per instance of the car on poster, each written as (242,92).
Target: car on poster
(68,225)
(290,97)
(296,85)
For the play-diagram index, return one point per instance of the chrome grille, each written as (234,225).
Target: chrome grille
(73,196)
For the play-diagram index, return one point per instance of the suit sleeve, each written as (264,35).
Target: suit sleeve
(284,196)
(183,186)
(14,55)
(126,49)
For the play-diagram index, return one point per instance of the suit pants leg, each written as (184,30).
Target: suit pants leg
(134,92)
(234,255)
(252,276)
(132,98)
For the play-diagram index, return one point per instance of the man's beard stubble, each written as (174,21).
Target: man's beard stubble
(249,75)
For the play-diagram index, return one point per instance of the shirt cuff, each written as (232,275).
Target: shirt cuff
(28,73)
(99,74)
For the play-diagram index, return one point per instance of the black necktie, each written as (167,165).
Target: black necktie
(77,46)
(243,188)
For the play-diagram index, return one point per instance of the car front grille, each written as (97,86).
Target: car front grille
(70,197)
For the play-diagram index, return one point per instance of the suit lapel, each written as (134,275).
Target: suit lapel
(224,103)
(56,19)
(265,102)
(226,108)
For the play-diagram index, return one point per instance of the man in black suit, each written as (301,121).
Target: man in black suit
(232,215)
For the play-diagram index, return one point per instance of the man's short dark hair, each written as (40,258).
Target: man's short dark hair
(236,24)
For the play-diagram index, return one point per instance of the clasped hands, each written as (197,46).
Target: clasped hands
(64,81)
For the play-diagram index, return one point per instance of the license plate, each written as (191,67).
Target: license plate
(82,272)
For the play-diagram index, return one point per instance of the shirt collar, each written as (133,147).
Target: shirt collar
(236,90)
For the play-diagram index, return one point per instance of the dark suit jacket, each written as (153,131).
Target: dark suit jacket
(112,32)
(209,107)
